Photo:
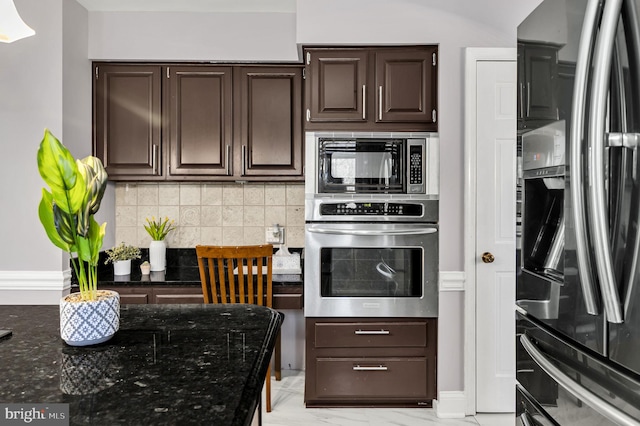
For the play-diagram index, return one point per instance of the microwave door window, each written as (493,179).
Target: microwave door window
(361,167)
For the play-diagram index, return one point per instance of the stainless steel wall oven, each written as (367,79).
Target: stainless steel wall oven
(371,233)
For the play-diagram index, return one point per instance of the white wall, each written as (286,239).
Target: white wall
(186,36)
(30,100)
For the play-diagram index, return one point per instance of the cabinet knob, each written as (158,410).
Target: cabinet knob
(488,257)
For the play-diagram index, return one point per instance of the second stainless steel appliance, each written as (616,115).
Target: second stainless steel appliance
(578,364)
(371,233)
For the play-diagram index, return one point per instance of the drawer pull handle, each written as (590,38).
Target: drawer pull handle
(372,332)
(370,368)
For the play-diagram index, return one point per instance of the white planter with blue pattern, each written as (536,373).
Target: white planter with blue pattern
(84,323)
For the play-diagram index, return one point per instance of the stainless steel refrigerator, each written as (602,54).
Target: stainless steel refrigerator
(578,286)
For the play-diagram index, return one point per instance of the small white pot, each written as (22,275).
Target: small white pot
(157,255)
(122,267)
(84,323)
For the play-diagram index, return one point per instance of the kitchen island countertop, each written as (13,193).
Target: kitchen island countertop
(168,364)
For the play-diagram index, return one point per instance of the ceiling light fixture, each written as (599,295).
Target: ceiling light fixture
(12,27)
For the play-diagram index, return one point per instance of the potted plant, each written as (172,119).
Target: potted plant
(121,257)
(66,212)
(158,229)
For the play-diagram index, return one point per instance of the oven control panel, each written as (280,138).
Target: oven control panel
(370,209)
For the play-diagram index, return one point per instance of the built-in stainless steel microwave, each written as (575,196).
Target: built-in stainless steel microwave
(398,164)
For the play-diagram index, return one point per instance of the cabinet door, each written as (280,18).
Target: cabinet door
(540,74)
(199,124)
(406,85)
(336,85)
(269,121)
(127,120)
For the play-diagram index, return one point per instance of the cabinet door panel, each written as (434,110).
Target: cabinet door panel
(200,120)
(336,85)
(127,120)
(270,121)
(405,85)
(540,73)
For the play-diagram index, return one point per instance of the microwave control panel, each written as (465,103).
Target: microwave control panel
(370,209)
(415,165)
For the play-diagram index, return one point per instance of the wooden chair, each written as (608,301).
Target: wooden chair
(238,274)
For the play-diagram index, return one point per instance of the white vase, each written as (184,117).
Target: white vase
(85,323)
(122,267)
(157,255)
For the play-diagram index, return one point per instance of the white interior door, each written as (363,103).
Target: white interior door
(495,235)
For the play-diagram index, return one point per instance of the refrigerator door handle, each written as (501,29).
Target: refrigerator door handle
(576,389)
(597,198)
(575,151)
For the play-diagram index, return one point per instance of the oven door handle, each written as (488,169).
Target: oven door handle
(374,232)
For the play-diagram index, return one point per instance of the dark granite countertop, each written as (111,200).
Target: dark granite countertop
(182,270)
(167,365)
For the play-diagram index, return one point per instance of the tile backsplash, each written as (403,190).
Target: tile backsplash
(210,213)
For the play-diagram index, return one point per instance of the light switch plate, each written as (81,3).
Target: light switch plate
(274,238)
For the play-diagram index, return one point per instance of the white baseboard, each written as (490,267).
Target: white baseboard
(452,280)
(450,405)
(33,287)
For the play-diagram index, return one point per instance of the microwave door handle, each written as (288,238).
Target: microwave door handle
(574,388)
(597,199)
(374,232)
(575,152)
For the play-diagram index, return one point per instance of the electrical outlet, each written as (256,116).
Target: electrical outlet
(274,235)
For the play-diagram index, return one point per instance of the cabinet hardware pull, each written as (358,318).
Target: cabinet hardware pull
(154,155)
(434,116)
(528,99)
(380,102)
(308,58)
(368,332)
(244,159)
(96,73)
(228,164)
(364,101)
(434,59)
(308,114)
(370,368)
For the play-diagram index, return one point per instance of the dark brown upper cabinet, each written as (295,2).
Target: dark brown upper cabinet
(382,88)
(199,122)
(127,120)
(538,80)
(268,118)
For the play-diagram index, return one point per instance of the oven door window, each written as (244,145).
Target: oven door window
(361,166)
(371,272)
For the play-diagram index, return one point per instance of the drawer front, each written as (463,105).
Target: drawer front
(134,299)
(372,378)
(371,334)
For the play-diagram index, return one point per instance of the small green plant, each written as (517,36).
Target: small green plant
(158,229)
(67,210)
(122,252)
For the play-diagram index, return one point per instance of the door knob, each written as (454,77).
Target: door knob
(488,257)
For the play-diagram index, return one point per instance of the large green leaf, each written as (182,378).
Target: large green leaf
(45,212)
(96,180)
(59,170)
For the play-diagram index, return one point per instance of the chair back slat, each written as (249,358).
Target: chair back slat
(236,274)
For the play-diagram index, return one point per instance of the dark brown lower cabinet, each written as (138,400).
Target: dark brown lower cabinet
(284,297)
(370,362)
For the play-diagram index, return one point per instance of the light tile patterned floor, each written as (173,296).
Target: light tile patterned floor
(288,410)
